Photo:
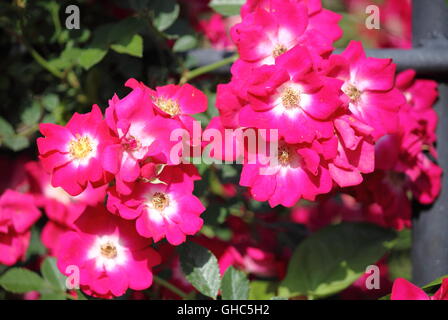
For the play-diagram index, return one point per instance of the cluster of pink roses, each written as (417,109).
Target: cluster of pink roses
(347,126)
(124,155)
(343,120)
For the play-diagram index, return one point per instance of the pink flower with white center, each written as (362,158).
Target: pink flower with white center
(72,153)
(271,28)
(356,151)
(369,88)
(301,172)
(292,98)
(162,210)
(61,208)
(322,22)
(175,102)
(141,134)
(58,204)
(17,214)
(110,255)
(314,6)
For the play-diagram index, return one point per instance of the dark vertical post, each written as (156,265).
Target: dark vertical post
(430,225)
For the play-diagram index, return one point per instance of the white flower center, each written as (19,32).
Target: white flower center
(160,205)
(352,92)
(82,149)
(107,252)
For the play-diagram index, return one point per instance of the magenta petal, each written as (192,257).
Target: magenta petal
(404,290)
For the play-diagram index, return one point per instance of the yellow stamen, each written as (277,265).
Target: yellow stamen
(279,50)
(81,147)
(160,201)
(283,155)
(290,98)
(168,105)
(108,250)
(352,92)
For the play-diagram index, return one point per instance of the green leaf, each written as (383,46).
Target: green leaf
(32,114)
(403,241)
(120,36)
(68,57)
(437,282)
(36,247)
(185,43)
(132,45)
(97,49)
(91,56)
(235,285)
(53,296)
(6,129)
(50,102)
(17,143)
(52,274)
(333,258)
(262,290)
(227,7)
(399,264)
(122,30)
(200,267)
(20,280)
(165,13)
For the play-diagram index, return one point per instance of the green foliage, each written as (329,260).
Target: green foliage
(235,285)
(132,45)
(20,280)
(399,259)
(52,274)
(120,37)
(262,290)
(400,265)
(51,285)
(333,258)
(49,72)
(227,7)
(164,13)
(201,269)
(185,43)
(36,247)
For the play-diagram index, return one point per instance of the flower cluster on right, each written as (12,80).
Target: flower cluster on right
(347,123)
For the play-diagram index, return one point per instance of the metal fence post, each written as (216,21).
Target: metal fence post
(430,225)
